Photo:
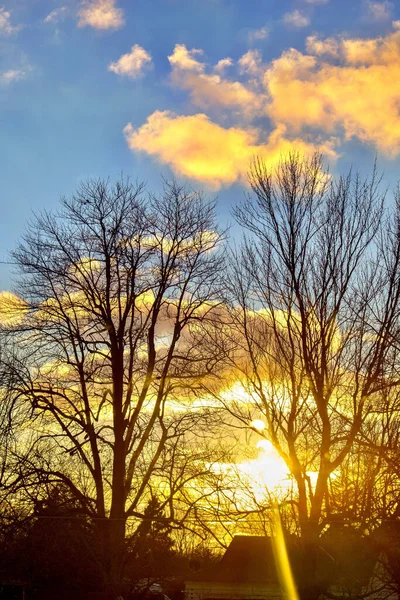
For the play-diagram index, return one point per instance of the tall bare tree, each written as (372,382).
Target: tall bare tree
(314,295)
(108,355)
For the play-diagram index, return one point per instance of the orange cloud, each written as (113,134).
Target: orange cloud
(196,147)
(100,14)
(361,95)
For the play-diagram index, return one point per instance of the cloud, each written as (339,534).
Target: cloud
(258,34)
(184,59)
(56,15)
(196,147)
(327,47)
(396,24)
(210,90)
(5,24)
(360,96)
(250,62)
(8,77)
(12,309)
(100,14)
(316,1)
(132,63)
(380,11)
(338,89)
(296,19)
(223,64)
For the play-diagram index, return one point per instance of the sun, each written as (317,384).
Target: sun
(267,473)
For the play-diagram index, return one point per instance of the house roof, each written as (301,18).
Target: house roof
(248,559)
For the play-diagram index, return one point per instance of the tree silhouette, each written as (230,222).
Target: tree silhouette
(314,295)
(109,355)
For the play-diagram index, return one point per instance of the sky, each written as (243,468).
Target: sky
(188,88)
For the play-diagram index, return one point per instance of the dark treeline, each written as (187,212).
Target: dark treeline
(141,352)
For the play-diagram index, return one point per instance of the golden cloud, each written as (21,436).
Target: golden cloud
(338,88)
(196,147)
(12,309)
(100,14)
(360,95)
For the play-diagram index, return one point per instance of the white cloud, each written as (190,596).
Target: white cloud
(296,19)
(396,24)
(56,15)
(380,11)
(258,34)
(100,14)
(8,77)
(317,1)
(5,24)
(250,62)
(132,63)
(223,64)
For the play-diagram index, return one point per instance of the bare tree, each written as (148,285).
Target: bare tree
(109,356)
(314,295)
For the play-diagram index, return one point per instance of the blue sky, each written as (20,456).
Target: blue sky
(92,88)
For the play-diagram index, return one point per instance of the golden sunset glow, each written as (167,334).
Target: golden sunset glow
(200,149)
(258,424)
(267,473)
(12,309)
(200,300)
(282,562)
